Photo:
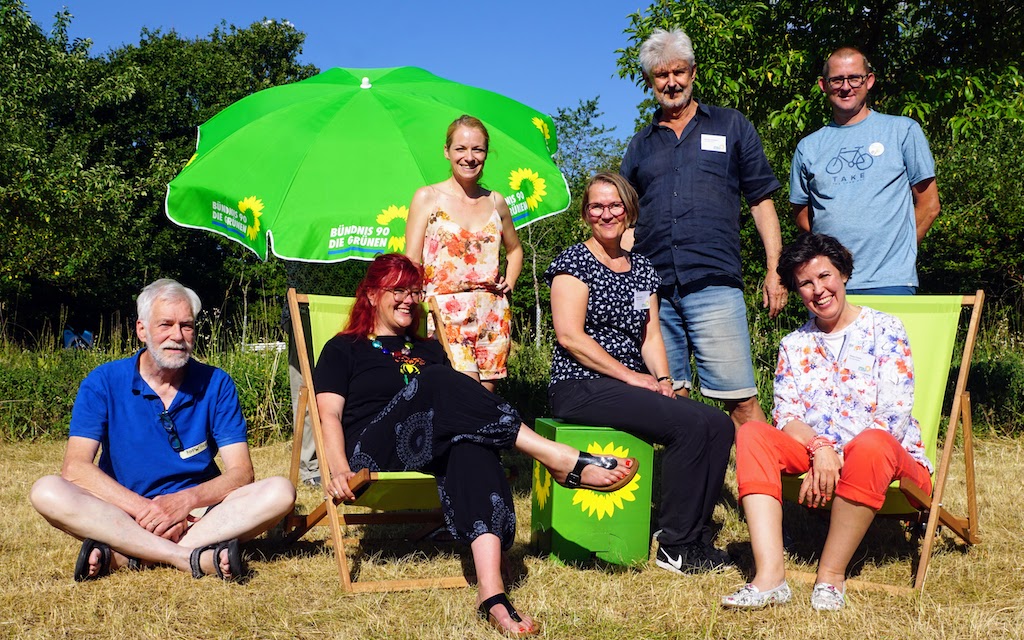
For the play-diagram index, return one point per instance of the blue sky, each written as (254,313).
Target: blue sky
(544,53)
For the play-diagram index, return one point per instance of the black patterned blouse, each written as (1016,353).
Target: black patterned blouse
(617,309)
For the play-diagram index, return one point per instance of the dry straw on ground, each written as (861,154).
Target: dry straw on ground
(294,593)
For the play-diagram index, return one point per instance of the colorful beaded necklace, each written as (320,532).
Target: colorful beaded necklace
(406,350)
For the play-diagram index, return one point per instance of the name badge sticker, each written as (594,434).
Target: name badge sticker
(641,300)
(860,362)
(710,142)
(192,451)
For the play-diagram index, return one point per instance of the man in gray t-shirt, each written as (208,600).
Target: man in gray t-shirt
(867,179)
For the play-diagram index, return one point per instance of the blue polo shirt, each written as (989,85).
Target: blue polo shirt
(116,407)
(689,188)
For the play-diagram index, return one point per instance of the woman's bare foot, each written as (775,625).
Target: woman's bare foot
(595,472)
(500,615)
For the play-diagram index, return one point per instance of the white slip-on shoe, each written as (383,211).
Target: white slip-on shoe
(827,597)
(750,597)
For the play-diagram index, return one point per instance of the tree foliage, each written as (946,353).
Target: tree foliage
(952,65)
(88,147)
(584,148)
(929,58)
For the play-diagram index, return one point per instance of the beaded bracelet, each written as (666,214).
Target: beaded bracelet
(819,442)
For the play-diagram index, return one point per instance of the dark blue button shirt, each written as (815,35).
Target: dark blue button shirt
(689,188)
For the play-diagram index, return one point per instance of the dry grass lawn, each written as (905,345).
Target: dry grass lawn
(975,593)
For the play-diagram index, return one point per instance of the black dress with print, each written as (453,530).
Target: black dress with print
(441,422)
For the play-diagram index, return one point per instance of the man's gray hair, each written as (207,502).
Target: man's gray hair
(166,289)
(664,47)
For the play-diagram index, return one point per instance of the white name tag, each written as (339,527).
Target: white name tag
(709,142)
(641,300)
(860,362)
(191,451)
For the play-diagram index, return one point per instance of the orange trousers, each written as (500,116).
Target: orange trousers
(871,461)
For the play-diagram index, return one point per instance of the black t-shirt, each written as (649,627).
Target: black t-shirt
(367,377)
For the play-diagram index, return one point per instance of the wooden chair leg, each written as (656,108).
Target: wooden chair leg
(297,433)
(972,496)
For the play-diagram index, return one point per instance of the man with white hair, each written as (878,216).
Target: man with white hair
(689,167)
(158,419)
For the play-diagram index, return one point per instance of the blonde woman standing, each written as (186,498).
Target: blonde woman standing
(456,229)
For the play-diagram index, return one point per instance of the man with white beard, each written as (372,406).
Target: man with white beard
(158,419)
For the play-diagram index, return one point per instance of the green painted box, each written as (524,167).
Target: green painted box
(575,525)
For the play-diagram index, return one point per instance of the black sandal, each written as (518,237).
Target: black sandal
(484,611)
(82,564)
(106,558)
(234,560)
(575,478)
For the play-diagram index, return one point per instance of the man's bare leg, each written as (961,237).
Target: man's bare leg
(742,411)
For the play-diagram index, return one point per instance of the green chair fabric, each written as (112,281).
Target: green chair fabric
(931,323)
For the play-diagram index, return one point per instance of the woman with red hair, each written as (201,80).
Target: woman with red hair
(390,401)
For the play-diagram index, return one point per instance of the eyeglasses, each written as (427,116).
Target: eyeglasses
(401,293)
(172,431)
(596,209)
(856,81)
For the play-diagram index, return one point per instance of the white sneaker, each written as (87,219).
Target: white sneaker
(826,597)
(750,597)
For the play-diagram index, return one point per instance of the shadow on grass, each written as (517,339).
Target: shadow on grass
(888,541)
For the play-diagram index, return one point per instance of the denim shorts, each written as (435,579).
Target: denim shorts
(883,291)
(712,324)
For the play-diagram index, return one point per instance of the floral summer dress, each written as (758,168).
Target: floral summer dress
(461,268)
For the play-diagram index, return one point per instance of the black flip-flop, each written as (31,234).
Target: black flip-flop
(82,564)
(234,560)
(106,557)
(484,611)
(575,478)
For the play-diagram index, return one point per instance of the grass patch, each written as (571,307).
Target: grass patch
(295,594)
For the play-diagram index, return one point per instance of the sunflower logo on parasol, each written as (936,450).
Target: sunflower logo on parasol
(396,243)
(531,184)
(255,205)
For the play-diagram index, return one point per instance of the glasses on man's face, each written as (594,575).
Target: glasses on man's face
(172,432)
(401,293)
(596,209)
(856,81)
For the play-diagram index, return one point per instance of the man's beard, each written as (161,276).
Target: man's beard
(171,359)
(678,100)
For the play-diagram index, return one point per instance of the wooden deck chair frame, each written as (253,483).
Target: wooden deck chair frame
(385,491)
(933,512)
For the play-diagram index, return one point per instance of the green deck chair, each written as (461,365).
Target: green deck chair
(932,323)
(394,497)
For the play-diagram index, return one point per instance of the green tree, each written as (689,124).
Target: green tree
(88,146)
(584,147)
(931,63)
(62,213)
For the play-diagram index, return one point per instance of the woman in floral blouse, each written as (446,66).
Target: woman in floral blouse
(844,389)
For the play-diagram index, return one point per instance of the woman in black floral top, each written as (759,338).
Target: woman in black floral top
(610,369)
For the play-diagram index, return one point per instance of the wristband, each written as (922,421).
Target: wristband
(819,442)
(669,378)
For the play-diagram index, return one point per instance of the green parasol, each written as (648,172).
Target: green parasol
(328,165)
